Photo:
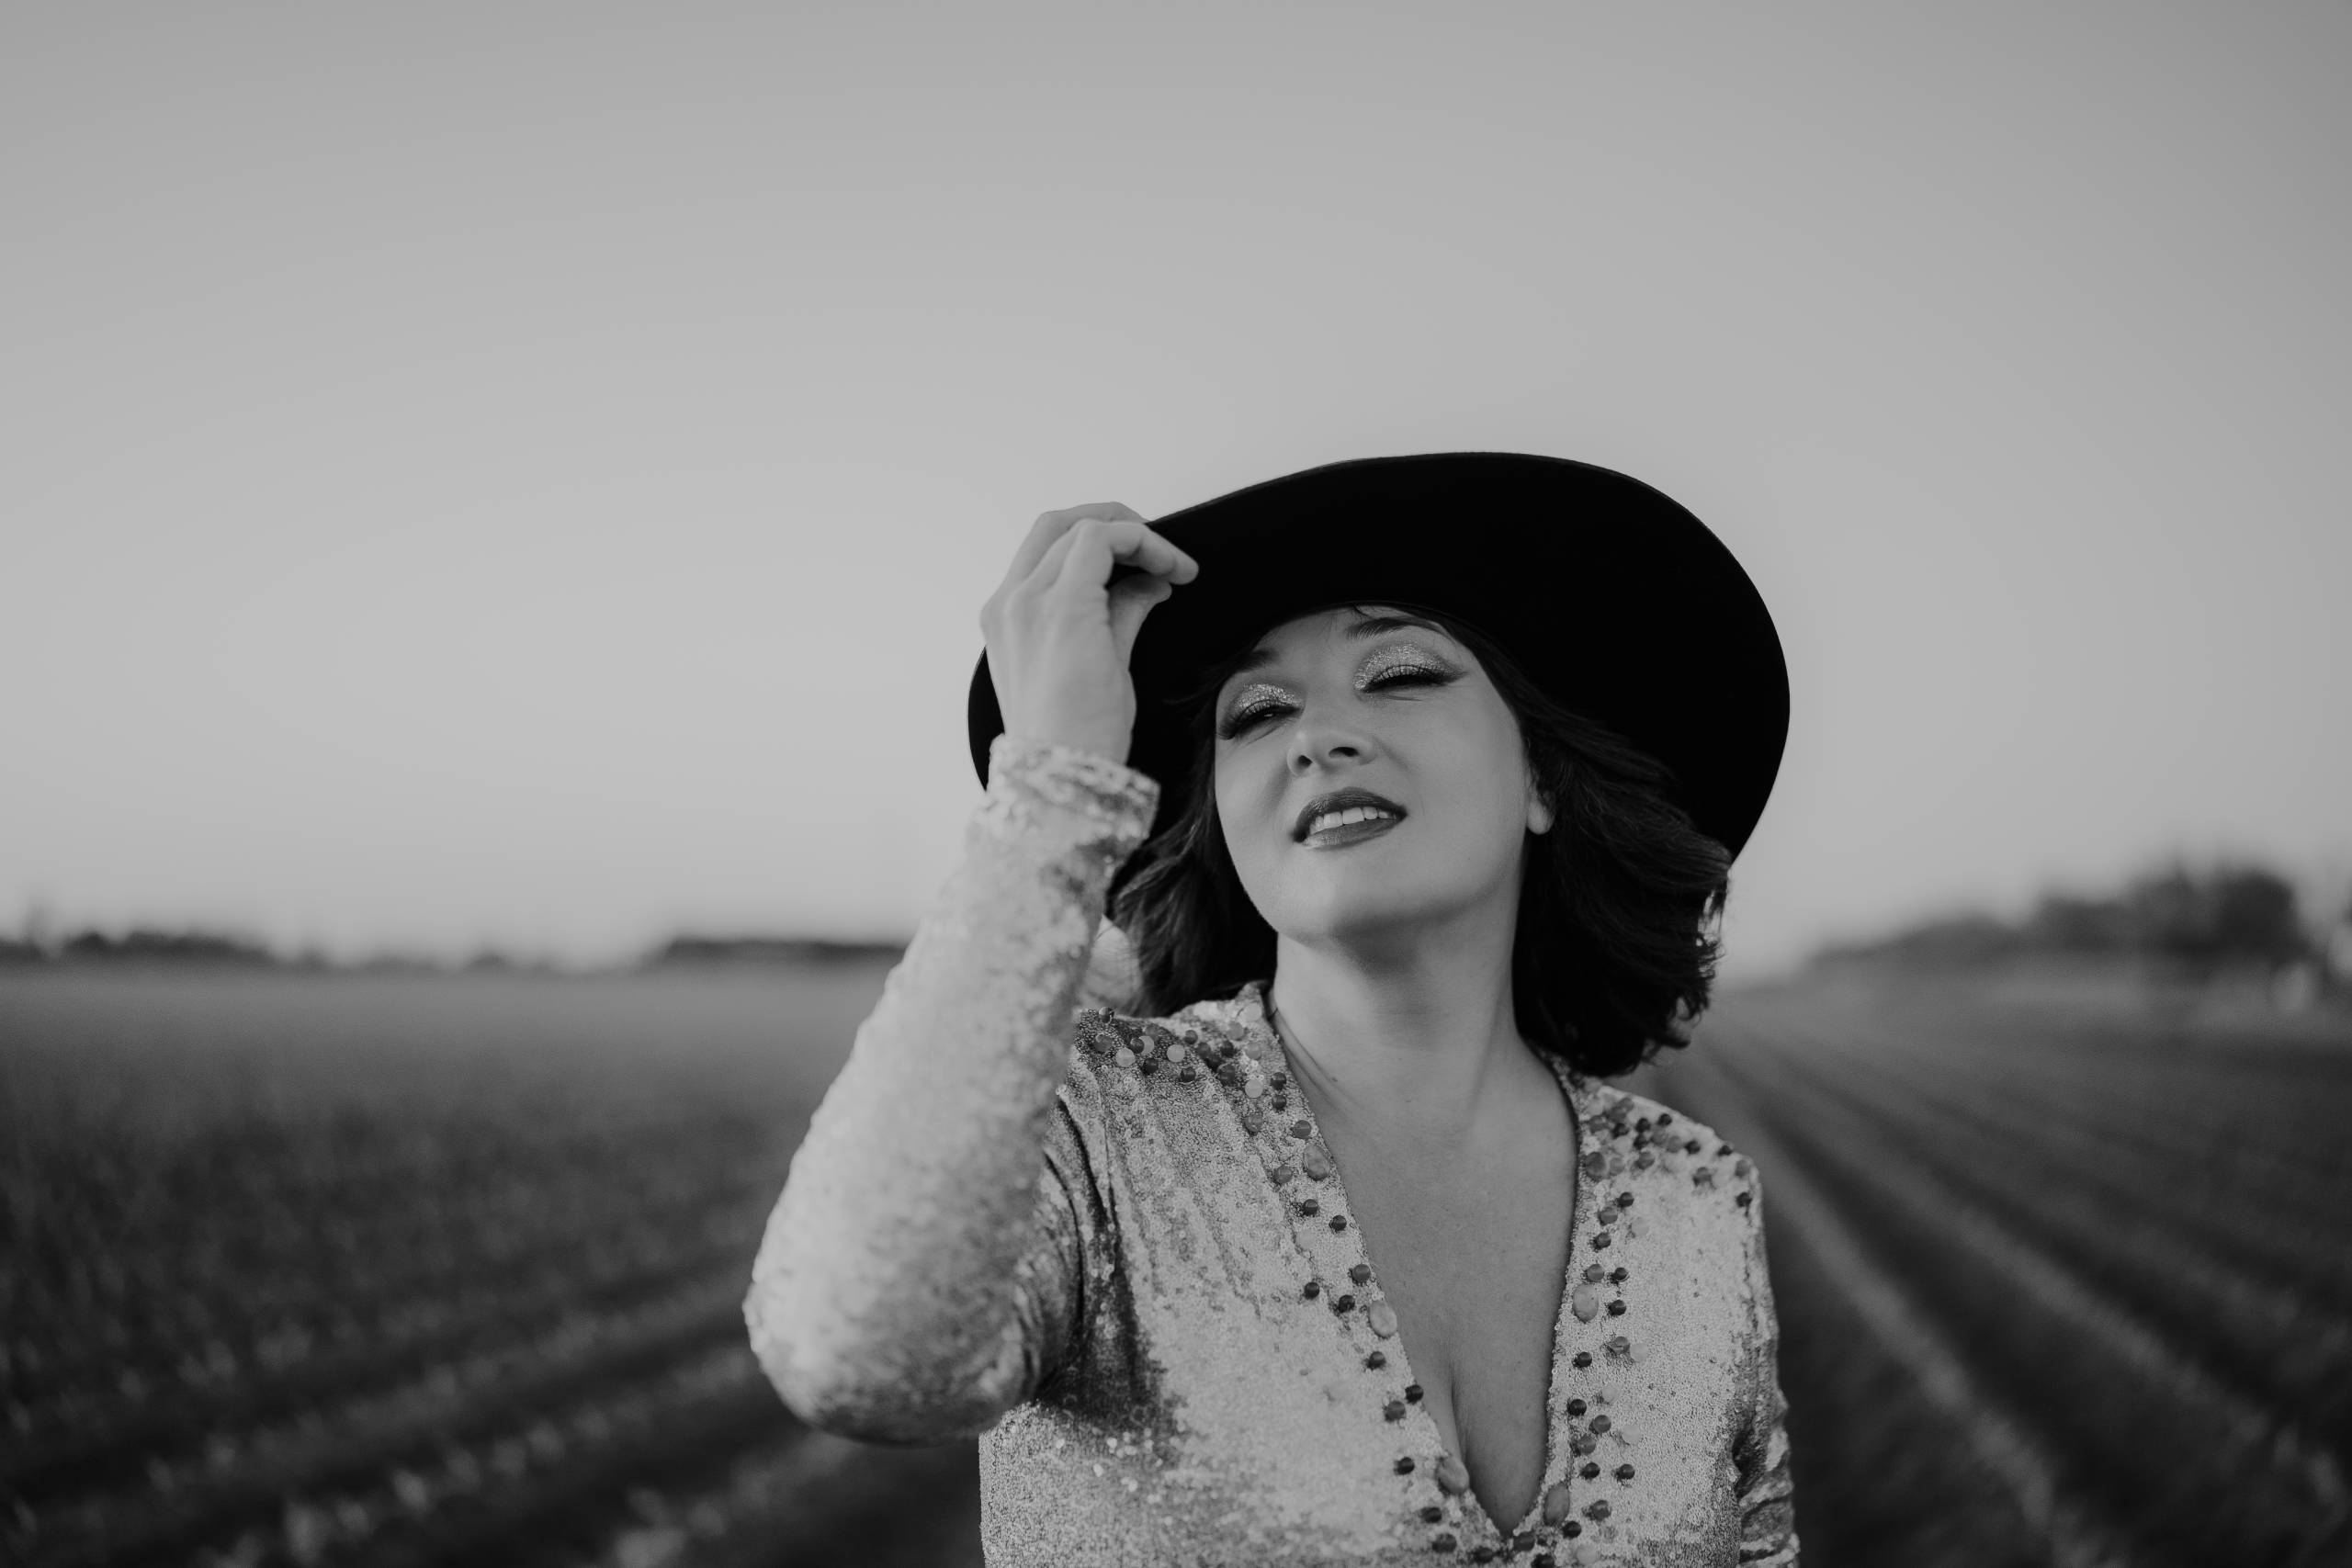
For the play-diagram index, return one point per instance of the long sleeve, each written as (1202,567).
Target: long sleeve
(1767,1531)
(920,1275)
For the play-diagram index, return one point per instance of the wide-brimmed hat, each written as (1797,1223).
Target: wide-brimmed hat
(1610,596)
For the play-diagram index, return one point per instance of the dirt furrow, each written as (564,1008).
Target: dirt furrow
(402,1427)
(2067,1366)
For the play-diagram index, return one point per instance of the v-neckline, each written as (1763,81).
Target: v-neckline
(1253,1001)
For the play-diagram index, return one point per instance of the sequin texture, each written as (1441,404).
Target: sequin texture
(996,1225)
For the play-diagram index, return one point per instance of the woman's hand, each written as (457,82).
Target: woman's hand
(1060,630)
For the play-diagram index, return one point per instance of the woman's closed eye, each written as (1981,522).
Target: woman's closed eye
(1250,714)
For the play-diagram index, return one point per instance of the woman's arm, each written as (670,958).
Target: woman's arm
(918,1278)
(1768,1529)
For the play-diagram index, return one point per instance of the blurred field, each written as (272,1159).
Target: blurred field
(407,1270)
(2064,1275)
(413,1269)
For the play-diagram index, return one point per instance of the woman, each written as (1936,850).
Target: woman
(1328,1246)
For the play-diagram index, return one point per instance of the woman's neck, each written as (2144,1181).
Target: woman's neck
(1415,1044)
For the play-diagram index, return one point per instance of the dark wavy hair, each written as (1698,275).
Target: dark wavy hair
(1619,902)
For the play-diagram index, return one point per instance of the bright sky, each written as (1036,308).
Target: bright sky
(530,474)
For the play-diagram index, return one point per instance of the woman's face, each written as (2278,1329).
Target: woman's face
(1377,701)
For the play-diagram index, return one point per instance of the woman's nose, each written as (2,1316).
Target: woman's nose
(1321,742)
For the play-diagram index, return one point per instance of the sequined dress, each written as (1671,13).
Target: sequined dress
(1118,1250)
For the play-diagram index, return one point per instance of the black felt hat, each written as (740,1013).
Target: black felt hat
(1610,596)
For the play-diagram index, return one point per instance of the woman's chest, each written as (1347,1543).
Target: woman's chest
(1252,1367)
(1474,1275)
(1473,1257)
(1297,1394)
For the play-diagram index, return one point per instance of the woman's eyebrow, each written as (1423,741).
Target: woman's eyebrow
(1369,626)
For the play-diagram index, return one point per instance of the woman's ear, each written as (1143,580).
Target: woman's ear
(1539,813)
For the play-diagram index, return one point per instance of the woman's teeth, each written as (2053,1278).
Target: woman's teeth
(1341,819)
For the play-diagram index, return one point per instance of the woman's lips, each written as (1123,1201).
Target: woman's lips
(1353,833)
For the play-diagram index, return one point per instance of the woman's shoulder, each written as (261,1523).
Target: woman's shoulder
(1628,1133)
(1205,1033)
(1177,1067)
(1110,1008)
(1653,1120)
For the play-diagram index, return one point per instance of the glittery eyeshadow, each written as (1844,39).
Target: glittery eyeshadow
(1398,656)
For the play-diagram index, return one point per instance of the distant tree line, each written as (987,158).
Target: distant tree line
(145,946)
(2199,921)
(690,952)
(141,945)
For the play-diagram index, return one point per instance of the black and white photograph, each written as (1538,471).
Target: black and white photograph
(1285,785)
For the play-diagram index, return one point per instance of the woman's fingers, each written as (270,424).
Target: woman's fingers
(1052,526)
(1061,626)
(1087,554)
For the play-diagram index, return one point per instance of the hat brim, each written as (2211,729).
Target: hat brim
(1610,596)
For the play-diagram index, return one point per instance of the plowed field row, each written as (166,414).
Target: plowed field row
(2221,1215)
(107,1437)
(380,1363)
(2289,1348)
(2143,1354)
